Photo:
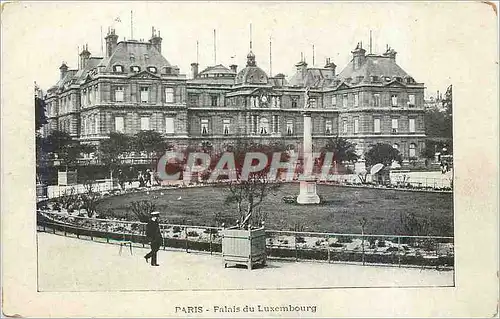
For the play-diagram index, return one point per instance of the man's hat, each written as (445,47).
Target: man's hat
(155,213)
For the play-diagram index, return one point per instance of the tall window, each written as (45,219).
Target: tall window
(97,97)
(344,100)
(376,99)
(275,101)
(289,127)
(356,125)
(356,99)
(295,100)
(264,126)
(328,127)
(144,94)
(204,127)
(411,124)
(169,95)
(254,120)
(394,99)
(91,96)
(119,94)
(376,125)
(225,126)
(169,125)
(276,123)
(214,100)
(97,128)
(344,126)
(413,150)
(394,125)
(144,123)
(334,100)
(119,125)
(411,100)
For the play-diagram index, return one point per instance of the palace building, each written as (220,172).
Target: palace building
(134,87)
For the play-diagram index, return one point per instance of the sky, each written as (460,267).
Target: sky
(427,36)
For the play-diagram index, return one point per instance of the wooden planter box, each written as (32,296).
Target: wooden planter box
(245,247)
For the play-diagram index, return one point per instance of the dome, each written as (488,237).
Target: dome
(216,71)
(252,74)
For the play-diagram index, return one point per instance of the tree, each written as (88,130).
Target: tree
(150,142)
(382,153)
(112,150)
(142,209)
(342,149)
(40,117)
(249,193)
(61,143)
(439,123)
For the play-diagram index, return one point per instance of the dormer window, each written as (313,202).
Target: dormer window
(410,80)
(387,78)
(152,69)
(168,70)
(135,68)
(118,69)
(375,78)
(399,79)
(132,57)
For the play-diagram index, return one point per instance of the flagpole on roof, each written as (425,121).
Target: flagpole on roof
(102,46)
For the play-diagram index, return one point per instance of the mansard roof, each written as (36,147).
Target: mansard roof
(374,65)
(217,74)
(312,77)
(134,53)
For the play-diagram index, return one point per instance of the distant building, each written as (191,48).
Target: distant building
(133,87)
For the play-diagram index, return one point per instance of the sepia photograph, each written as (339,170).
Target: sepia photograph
(248,147)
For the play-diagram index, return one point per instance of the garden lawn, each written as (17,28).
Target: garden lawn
(340,212)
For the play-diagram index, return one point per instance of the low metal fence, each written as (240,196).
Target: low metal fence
(399,250)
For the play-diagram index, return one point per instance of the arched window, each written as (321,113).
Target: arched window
(135,68)
(413,149)
(152,69)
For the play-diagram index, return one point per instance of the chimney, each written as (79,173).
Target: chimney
(330,66)
(234,68)
(84,56)
(280,77)
(156,39)
(111,42)
(301,68)
(358,56)
(194,70)
(64,69)
(390,53)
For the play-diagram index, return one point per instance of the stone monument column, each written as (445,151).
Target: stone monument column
(307,193)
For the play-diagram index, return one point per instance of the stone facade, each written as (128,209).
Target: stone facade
(135,88)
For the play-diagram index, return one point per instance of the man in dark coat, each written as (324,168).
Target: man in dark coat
(153,236)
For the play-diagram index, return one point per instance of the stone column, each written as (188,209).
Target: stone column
(307,193)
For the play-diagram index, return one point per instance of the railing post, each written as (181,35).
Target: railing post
(363,247)
(64,227)
(328,247)
(186,235)
(210,231)
(399,251)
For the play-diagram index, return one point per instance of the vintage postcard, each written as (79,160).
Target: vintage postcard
(249,159)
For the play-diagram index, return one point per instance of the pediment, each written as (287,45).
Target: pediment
(144,75)
(394,83)
(342,85)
